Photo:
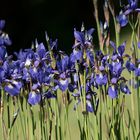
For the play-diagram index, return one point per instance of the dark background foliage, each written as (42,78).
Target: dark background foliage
(27,20)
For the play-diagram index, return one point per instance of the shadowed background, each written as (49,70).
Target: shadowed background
(27,20)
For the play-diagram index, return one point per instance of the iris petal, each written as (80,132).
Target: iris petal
(112,92)
(34,98)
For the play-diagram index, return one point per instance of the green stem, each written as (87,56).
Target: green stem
(2,115)
(116,32)
(21,117)
(8,115)
(98,25)
(100,113)
(68,122)
(138,102)
(79,125)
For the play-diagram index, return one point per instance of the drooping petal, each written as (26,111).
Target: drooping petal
(34,98)
(7,40)
(123,20)
(90,31)
(49,95)
(124,88)
(114,80)
(139,44)
(76,55)
(128,11)
(130,66)
(76,94)
(137,71)
(116,69)
(113,92)
(13,87)
(121,48)
(36,86)
(101,79)
(71,87)
(63,84)
(12,90)
(89,106)
(137,10)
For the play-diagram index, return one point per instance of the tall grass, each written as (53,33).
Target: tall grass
(88,95)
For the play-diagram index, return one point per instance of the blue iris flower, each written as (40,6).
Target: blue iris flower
(139,44)
(137,71)
(34,98)
(3,53)
(89,104)
(63,84)
(101,79)
(122,19)
(121,49)
(64,67)
(114,80)
(90,56)
(124,88)
(82,38)
(131,7)
(26,76)
(89,99)
(5,40)
(105,60)
(49,94)
(76,55)
(115,69)
(2,74)
(63,64)
(113,91)
(130,66)
(13,87)
(40,50)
